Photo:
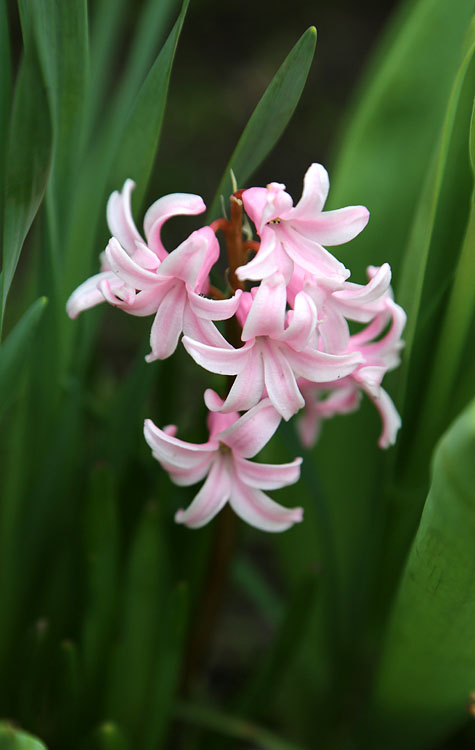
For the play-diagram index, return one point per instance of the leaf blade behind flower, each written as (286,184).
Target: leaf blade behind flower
(428,663)
(270,117)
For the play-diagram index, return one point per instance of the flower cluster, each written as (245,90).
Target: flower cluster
(288,345)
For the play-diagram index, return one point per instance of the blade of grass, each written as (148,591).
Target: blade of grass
(270,117)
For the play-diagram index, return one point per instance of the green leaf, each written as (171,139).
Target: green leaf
(397,114)
(101,545)
(127,150)
(168,669)
(441,215)
(5,85)
(62,37)
(428,664)
(270,118)
(138,145)
(12,739)
(27,165)
(140,621)
(15,350)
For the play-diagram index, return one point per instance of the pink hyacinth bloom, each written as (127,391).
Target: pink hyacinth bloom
(230,476)
(274,355)
(173,292)
(380,356)
(336,304)
(145,280)
(106,285)
(296,235)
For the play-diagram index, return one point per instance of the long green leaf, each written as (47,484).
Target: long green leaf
(15,350)
(167,672)
(428,664)
(127,151)
(398,111)
(270,118)
(139,637)
(139,143)
(62,36)
(12,739)
(425,261)
(27,164)
(5,84)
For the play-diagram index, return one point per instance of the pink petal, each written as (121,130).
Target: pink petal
(336,227)
(269,259)
(267,476)
(319,367)
(214,309)
(257,509)
(202,330)
(334,331)
(219,360)
(210,499)
(267,314)
(247,388)
(303,321)
(252,431)
(168,323)
(280,382)
(88,293)
(315,191)
(176,204)
(174,452)
(389,416)
(144,303)
(144,257)
(127,269)
(356,294)
(119,218)
(311,256)
(264,204)
(193,259)
(186,477)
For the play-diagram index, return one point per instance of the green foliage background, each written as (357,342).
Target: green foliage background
(354,630)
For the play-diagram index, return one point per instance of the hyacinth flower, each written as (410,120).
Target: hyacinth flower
(296,235)
(144,280)
(274,355)
(106,285)
(230,476)
(381,355)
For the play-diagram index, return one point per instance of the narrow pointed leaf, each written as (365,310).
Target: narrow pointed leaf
(15,350)
(428,666)
(270,118)
(5,84)
(27,164)
(139,142)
